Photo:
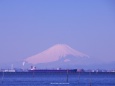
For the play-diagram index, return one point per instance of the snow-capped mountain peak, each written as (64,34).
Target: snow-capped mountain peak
(54,53)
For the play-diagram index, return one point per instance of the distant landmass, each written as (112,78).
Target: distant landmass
(61,56)
(57,54)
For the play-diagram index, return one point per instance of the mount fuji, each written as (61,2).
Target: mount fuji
(61,56)
(59,53)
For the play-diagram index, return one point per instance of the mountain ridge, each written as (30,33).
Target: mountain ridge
(54,53)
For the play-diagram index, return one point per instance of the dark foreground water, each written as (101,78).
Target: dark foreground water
(57,79)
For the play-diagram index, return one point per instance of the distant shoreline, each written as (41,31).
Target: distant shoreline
(59,71)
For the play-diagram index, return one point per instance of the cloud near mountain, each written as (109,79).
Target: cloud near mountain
(55,53)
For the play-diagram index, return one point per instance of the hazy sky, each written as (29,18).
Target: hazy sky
(28,27)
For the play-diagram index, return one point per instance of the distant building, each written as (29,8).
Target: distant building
(33,68)
(80,70)
(98,70)
(9,70)
(58,68)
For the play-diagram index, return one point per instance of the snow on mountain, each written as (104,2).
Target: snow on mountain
(54,53)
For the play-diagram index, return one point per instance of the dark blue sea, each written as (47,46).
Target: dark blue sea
(56,79)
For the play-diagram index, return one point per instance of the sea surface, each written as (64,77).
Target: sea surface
(56,79)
